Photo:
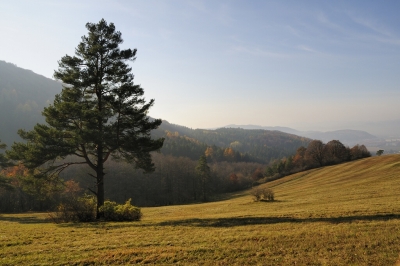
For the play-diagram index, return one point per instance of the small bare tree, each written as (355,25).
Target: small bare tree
(264,194)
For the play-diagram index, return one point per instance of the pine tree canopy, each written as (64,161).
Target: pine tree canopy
(99,113)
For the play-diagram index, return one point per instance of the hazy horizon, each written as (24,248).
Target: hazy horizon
(305,65)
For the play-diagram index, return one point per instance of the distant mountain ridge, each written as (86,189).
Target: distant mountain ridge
(260,145)
(348,137)
(24,94)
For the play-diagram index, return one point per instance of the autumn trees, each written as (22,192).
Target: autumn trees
(316,154)
(335,152)
(99,114)
(4,162)
(319,154)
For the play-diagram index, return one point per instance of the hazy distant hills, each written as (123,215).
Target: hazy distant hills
(23,94)
(384,129)
(348,137)
(261,145)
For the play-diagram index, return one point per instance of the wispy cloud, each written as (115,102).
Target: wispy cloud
(218,11)
(307,49)
(293,31)
(323,19)
(373,26)
(374,32)
(198,5)
(224,15)
(259,52)
(379,32)
(393,41)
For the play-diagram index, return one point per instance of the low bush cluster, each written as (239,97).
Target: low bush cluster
(120,212)
(83,209)
(264,194)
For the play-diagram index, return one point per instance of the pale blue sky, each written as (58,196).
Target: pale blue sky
(304,64)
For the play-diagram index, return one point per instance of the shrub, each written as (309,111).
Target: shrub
(264,194)
(268,194)
(85,209)
(120,212)
(82,209)
(256,193)
(108,210)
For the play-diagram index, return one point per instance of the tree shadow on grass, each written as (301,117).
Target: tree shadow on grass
(243,221)
(234,221)
(23,219)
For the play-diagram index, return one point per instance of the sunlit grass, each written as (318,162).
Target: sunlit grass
(347,214)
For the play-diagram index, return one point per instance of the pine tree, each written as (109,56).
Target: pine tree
(99,113)
(203,171)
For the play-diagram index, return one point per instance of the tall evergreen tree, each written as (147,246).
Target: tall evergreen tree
(99,113)
(203,170)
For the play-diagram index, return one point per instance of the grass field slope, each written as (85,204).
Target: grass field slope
(346,214)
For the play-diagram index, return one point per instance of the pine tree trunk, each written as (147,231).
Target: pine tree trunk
(100,190)
(100,182)
(100,163)
(204,189)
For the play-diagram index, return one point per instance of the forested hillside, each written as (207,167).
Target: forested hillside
(347,136)
(237,157)
(237,144)
(23,94)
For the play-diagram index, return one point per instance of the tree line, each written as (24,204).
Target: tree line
(248,145)
(176,180)
(316,154)
(99,124)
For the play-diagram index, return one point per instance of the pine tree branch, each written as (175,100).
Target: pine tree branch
(95,193)
(92,165)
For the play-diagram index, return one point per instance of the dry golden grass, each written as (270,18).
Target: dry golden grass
(347,214)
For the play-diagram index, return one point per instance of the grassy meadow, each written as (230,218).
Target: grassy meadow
(347,214)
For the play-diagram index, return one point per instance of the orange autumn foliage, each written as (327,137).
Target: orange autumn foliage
(229,152)
(14,171)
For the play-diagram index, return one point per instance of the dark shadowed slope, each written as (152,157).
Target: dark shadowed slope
(23,95)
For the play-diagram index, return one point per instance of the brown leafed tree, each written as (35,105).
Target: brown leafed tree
(358,152)
(315,153)
(4,162)
(299,158)
(335,152)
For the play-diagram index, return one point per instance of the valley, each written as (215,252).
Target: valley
(347,214)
